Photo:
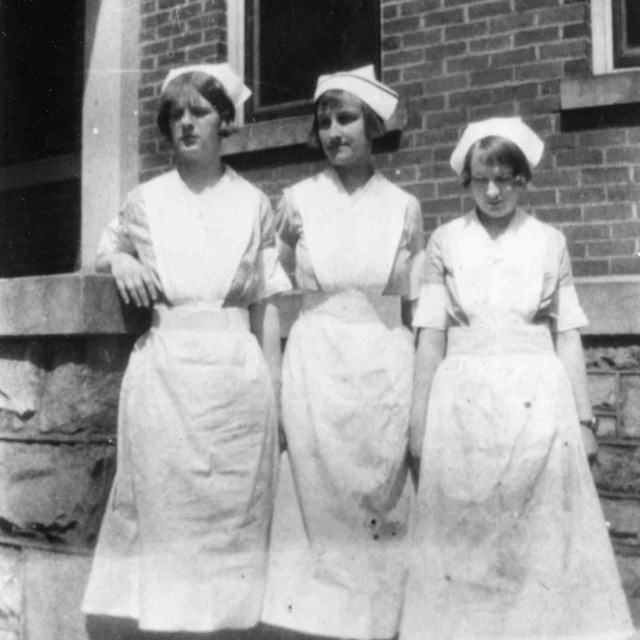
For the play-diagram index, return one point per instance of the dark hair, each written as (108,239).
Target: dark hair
(498,151)
(209,88)
(373,123)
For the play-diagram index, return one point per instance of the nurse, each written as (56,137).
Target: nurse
(352,243)
(510,541)
(183,544)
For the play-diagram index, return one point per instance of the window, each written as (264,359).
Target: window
(626,33)
(41,82)
(615,28)
(288,43)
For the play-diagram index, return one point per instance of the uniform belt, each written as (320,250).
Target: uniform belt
(201,319)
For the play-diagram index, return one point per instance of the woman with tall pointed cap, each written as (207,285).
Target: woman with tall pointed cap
(509,538)
(183,543)
(352,242)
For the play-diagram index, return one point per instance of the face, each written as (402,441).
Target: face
(494,189)
(341,130)
(195,127)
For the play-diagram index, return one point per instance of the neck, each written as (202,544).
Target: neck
(354,177)
(495,226)
(198,175)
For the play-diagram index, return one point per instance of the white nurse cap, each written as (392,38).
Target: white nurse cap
(510,128)
(231,82)
(361,83)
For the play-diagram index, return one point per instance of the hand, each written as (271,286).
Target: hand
(136,282)
(414,470)
(590,444)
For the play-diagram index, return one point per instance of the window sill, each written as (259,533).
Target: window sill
(612,304)
(286,132)
(622,87)
(272,134)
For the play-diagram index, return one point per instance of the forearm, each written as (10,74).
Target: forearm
(430,352)
(265,325)
(569,350)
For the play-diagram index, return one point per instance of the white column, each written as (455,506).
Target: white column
(109,116)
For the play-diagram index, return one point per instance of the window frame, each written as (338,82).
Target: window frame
(602,38)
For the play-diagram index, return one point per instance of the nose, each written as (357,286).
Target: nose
(186,119)
(492,189)
(334,130)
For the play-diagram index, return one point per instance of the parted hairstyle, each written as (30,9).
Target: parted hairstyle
(499,151)
(209,88)
(332,99)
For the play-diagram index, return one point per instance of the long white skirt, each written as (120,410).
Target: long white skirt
(509,539)
(183,543)
(336,565)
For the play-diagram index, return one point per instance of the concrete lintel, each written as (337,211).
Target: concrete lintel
(66,304)
(600,91)
(611,303)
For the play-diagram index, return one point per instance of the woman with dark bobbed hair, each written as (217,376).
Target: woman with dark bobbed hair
(352,242)
(183,543)
(509,539)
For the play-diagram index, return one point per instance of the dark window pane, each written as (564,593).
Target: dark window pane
(626,33)
(40,229)
(291,42)
(41,78)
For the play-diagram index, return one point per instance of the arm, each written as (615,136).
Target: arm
(431,350)
(569,350)
(265,325)
(136,283)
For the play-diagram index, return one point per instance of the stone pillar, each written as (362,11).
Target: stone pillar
(110,116)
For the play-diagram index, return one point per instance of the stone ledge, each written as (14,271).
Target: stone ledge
(600,91)
(65,304)
(611,303)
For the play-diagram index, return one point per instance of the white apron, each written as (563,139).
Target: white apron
(184,538)
(509,541)
(336,565)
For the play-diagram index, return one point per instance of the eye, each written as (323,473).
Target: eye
(346,117)
(176,113)
(324,122)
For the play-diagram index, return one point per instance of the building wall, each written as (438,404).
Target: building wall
(454,61)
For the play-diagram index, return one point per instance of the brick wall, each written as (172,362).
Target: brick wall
(173,33)
(454,61)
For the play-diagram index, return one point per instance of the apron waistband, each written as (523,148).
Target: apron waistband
(499,341)
(200,319)
(354,307)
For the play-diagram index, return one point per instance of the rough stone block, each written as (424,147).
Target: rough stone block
(623,520)
(607,426)
(618,469)
(54,493)
(602,390)
(629,568)
(630,405)
(10,591)
(75,390)
(54,586)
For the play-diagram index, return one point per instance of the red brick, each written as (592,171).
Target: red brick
(446,83)
(582,195)
(422,71)
(623,154)
(587,232)
(530,5)
(399,58)
(402,24)
(513,22)
(489,9)
(492,111)
(464,98)
(419,6)
(579,30)
(513,57)
(493,76)
(559,214)
(625,266)
(605,175)
(465,31)
(625,230)
(596,212)
(541,198)
(390,11)
(493,43)
(579,157)
(563,15)
(539,71)
(582,268)
(442,18)
(535,36)
(468,63)
(555,178)
(391,43)
(611,248)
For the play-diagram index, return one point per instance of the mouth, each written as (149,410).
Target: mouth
(188,140)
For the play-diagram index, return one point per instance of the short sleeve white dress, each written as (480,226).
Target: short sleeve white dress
(183,544)
(509,538)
